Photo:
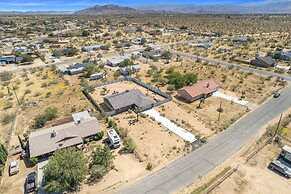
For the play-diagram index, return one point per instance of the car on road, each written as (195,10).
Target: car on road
(31,182)
(276,95)
(281,168)
(14,168)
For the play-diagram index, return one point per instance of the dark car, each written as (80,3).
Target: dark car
(31,182)
(276,95)
(281,168)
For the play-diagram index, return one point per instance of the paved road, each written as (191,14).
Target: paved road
(218,62)
(187,169)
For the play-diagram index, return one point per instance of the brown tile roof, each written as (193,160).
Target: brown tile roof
(202,87)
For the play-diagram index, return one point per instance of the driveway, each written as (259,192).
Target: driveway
(231,98)
(184,134)
(188,169)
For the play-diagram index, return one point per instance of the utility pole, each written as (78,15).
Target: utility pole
(277,129)
(15,95)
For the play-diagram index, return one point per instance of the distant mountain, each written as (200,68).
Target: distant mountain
(36,12)
(106,9)
(268,8)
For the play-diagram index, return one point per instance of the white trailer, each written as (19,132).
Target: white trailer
(113,138)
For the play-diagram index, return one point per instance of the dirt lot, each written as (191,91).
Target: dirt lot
(119,177)
(155,144)
(255,177)
(208,114)
(120,87)
(184,117)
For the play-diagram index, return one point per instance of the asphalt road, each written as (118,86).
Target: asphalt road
(218,62)
(198,163)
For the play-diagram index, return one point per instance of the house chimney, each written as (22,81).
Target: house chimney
(207,85)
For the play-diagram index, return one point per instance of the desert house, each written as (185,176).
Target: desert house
(129,99)
(129,70)
(116,61)
(96,76)
(46,141)
(202,89)
(263,62)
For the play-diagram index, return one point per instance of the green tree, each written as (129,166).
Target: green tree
(118,34)
(39,122)
(89,70)
(85,33)
(103,156)
(65,171)
(126,63)
(26,58)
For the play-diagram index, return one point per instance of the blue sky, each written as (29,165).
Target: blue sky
(66,5)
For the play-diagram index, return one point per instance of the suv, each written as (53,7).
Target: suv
(280,167)
(14,167)
(31,183)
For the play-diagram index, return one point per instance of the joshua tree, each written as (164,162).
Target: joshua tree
(137,111)
(202,100)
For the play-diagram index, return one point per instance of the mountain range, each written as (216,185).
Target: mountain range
(266,8)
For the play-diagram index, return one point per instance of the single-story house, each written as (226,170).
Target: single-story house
(286,56)
(46,141)
(202,89)
(129,99)
(92,47)
(130,69)
(203,44)
(96,76)
(76,69)
(116,61)
(239,39)
(263,62)
(152,53)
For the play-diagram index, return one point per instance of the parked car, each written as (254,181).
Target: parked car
(276,95)
(280,167)
(14,167)
(31,182)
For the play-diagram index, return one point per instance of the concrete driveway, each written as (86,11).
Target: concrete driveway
(184,134)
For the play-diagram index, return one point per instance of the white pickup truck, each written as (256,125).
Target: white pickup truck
(14,167)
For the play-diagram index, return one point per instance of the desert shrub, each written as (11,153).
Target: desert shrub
(149,167)
(129,145)
(50,113)
(7,118)
(33,160)
(6,76)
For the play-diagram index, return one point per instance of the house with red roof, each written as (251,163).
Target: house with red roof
(201,89)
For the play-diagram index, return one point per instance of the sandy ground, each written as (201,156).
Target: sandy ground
(208,114)
(119,177)
(188,120)
(255,177)
(155,143)
(120,87)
